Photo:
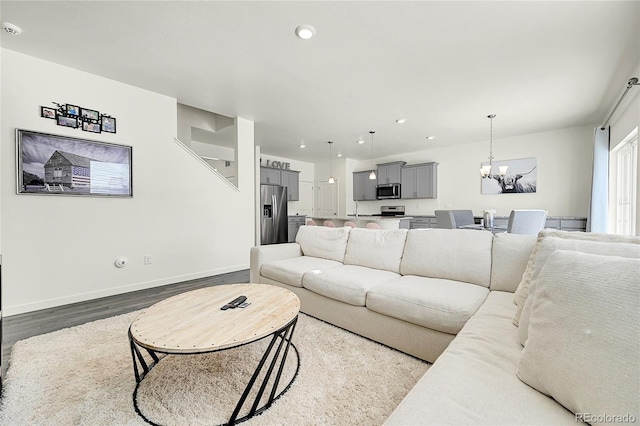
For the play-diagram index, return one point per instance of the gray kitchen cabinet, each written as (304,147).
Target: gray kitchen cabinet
(573,225)
(422,222)
(271,176)
(419,181)
(390,172)
(290,179)
(295,222)
(364,189)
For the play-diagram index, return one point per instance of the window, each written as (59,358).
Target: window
(624,173)
(57,172)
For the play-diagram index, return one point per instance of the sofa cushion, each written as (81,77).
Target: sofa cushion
(474,381)
(290,271)
(548,242)
(587,236)
(454,254)
(435,303)
(584,334)
(348,283)
(375,248)
(323,242)
(510,255)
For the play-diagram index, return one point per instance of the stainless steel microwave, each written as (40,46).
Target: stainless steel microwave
(388,191)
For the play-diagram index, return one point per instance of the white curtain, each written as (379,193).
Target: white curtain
(598,209)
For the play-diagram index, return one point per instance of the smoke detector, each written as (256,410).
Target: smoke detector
(12,29)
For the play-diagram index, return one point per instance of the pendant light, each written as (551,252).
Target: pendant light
(372,175)
(331,179)
(485,171)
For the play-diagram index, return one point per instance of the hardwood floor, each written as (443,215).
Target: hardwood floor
(22,326)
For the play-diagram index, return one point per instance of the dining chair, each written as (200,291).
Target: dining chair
(350,224)
(373,225)
(526,221)
(462,218)
(311,222)
(445,219)
(329,224)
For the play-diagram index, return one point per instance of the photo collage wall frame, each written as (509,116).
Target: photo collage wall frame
(75,116)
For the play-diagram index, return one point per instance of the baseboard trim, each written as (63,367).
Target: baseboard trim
(8,311)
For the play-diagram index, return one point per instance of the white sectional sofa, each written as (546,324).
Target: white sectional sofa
(447,296)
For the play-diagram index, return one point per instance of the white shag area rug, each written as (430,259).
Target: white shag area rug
(84,376)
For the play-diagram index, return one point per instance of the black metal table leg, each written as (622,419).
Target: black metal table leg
(280,352)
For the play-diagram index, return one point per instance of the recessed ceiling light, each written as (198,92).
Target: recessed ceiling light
(305,32)
(401,120)
(339,154)
(431,137)
(12,29)
(360,141)
(302,145)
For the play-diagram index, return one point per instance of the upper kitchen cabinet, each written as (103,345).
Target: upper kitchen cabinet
(290,179)
(364,189)
(419,181)
(390,172)
(270,176)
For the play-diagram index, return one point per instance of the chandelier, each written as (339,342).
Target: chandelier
(486,171)
(331,178)
(372,175)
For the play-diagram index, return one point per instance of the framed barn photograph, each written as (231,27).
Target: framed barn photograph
(521,177)
(62,165)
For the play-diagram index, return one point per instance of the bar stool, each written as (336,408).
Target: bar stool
(373,225)
(350,224)
(329,224)
(311,222)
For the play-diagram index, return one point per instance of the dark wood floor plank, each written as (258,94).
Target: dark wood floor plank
(22,326)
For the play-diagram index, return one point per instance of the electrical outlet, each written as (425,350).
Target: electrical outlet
(148,259)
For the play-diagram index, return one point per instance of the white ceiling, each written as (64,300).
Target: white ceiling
(442,65)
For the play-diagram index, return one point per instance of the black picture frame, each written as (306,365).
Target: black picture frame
(67,121)
(89,115)
(50,164)
(108,124)
(47,112)
(72,110)
(88,126)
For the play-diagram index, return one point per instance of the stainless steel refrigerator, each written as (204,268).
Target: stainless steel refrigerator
(273,223)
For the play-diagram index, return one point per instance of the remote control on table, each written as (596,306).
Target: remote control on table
(234,303)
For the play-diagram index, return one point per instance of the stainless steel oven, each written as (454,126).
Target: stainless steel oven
(388,191)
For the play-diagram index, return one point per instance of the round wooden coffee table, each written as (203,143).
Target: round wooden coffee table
(193,323)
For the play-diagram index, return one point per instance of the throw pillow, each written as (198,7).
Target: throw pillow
(584,335)
(551,244)
(535,263)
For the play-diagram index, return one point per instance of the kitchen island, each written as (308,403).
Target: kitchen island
(385,222)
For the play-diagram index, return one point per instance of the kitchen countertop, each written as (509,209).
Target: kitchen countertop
(361,217)
(507,217)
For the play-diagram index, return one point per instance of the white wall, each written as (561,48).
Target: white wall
(564,174)
(61,249)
